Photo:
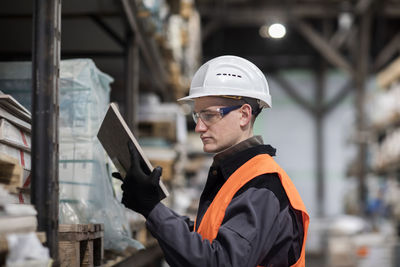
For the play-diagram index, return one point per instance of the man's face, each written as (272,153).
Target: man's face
(223,132)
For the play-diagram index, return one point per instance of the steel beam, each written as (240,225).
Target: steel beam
(293,93)
(340,96)
(253,14)
(132,82)
(148,49)
(323,47)
(106,28)
(387,52)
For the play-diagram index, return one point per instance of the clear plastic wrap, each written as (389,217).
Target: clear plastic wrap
(86,192)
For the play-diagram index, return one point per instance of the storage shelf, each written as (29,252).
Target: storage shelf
(382,127)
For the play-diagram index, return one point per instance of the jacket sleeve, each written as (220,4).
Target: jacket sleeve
(243,237)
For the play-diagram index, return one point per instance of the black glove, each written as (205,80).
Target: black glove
(140,189)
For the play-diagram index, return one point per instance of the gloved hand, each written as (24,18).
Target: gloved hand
(140,189)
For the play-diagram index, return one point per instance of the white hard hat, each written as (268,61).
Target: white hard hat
(230,76)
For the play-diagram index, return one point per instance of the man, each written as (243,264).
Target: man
(250,213)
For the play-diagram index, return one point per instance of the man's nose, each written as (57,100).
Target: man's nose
(200,126)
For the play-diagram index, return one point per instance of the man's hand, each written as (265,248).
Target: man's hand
(140,189)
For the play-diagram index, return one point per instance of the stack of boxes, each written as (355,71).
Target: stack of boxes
(17,221)
(15,147)
(162,136)
(385,120)
(83,99)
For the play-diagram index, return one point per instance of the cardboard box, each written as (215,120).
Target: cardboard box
(11,135)
(76,162)
(23,157)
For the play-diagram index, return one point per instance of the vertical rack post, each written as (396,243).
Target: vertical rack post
(45,83)
(361,76)
(319,117)
(132,81)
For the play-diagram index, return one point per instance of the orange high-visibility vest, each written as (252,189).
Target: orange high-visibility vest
(258,165)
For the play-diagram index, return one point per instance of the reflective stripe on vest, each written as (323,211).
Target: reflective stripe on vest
(258,165)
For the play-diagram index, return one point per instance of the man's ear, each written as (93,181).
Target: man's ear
(245,117)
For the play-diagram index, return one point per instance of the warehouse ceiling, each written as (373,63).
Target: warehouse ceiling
(341,33)
(316,29)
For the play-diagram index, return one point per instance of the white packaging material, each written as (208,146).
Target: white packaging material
(26,247)
(83,95)
(19,209)
(79,167)
(384,108)
(174,36)
(24,157)
(77,162)
(21,124)
(192,54)
(84,98)
(73,191)
(11,135)
(79,114)
(388,152)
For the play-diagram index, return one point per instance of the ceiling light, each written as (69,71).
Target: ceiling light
(276,30)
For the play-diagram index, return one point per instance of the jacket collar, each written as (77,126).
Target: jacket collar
(232,158)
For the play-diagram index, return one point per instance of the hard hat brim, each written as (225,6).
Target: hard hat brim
(265,101)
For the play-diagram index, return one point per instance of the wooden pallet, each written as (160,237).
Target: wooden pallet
(10,172)
(161,129)
(81,245)
(390,74)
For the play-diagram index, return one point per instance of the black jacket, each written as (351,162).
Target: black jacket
(259,227)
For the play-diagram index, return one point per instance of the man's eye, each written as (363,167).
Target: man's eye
(208,116)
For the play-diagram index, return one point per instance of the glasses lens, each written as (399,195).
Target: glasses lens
(207,117)
(210,117)
(195,116)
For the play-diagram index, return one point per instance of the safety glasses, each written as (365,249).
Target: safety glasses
(209,117)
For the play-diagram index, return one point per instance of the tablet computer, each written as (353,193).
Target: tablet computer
(114,135)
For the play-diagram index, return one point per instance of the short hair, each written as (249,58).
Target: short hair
(255,105)
(239,100)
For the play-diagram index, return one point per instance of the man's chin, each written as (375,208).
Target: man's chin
(208,148)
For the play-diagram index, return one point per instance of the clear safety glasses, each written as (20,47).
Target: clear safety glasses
(209,117)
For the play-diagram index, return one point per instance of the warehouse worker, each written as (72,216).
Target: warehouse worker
(250,213)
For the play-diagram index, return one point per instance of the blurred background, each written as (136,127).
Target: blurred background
(333,69)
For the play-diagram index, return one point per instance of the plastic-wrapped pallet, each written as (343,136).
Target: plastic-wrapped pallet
(84,98)
(86,194)
(83,94)
(15,142)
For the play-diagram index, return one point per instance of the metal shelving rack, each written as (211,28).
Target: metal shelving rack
(45,54)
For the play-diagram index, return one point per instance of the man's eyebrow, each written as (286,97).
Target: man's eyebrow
(210,109)
(204,110)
